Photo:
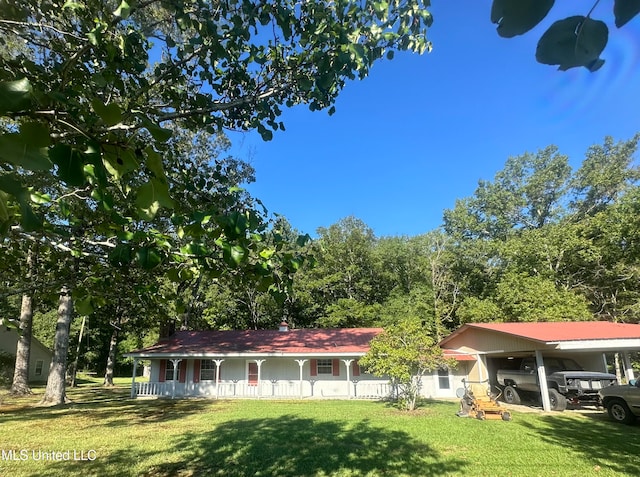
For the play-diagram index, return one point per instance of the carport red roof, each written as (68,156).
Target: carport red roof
(555,331)
(298,341)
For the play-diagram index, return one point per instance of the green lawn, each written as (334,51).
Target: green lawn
(301,438)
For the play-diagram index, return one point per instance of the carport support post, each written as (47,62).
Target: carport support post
(347,363)
(133,378)
(542,377)
(628,369)
(218,364)
(301,364)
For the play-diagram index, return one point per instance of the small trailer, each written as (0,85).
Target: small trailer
(476,400)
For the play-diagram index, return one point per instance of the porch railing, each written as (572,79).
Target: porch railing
(266,389)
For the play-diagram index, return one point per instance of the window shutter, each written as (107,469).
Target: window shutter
(314,367)
(355,368)
(183,371)
(196,370)
(163,370)
(336,367)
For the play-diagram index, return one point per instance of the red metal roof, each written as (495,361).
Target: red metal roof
(553,331)
(298,341)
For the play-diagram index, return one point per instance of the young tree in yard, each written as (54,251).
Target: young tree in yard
(405,352)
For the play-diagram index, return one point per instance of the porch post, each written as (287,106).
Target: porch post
(542,377)
(175,362)
(218,364)
(301,364)
(133,378)
(347,363)
(628,369)
(259,363)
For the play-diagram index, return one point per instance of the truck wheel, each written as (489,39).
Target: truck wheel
(558,401)
(619,411)
(510,395)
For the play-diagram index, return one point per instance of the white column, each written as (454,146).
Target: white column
(301,364)
(347,363)
(542,377)
(218,364)
(628,369)
(259,363)
(176,363)
(133,378)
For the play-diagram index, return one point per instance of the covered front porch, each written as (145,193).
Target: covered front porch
(273,377)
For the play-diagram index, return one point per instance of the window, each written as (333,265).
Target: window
(168,372)
(325,366)
(39,366)
(207,370)
(443,379)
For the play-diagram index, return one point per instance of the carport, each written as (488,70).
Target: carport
(588,341)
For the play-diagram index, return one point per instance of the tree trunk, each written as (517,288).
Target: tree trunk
(20,385)
(55,392)
(111,359)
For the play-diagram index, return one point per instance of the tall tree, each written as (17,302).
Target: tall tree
(607,171)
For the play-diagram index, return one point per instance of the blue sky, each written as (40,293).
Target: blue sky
(420,131)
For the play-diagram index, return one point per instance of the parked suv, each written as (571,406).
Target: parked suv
(622,401)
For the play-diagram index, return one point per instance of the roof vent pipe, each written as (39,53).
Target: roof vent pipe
(284,326)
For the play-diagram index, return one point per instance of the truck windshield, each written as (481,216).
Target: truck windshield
(553,365)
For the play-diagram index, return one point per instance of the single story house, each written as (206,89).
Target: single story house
(39,358)
(302,363)
(323,363)
(590,343)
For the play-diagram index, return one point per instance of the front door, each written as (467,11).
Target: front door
(252,373)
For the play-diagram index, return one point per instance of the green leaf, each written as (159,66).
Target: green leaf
(29,220)
(574,41)
(37,134)
(119,161)
(123,11)
(151,196)
(12,186)
(27,148)
(625,10)
(154,162)
(39,198)
(121,255)
(158,133)
(15,95)
(70,164)
(71,5)
(266,134)
(111,114)
(148,257)
(238,254)
(515,17)
(83,306)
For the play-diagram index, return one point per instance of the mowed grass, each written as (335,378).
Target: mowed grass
(193,437)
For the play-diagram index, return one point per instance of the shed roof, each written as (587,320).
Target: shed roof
(292,342)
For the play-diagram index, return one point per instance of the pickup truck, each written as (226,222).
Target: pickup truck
(566,380)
